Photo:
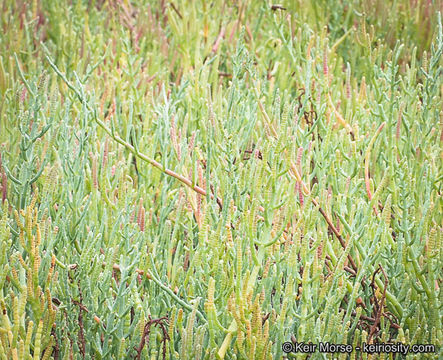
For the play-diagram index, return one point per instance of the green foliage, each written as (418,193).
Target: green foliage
(207,180)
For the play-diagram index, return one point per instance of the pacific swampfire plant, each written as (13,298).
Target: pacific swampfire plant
(28,312)
(192,180)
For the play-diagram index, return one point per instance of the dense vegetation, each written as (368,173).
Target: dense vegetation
(210,179)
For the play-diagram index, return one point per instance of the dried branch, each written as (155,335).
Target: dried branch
(145,336)
(378,305)
(294,172)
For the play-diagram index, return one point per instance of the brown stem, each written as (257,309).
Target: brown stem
(146,332)
(331,226)
(176,10)
(378,305)
(372,320)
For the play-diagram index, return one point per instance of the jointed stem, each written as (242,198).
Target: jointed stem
(127,145)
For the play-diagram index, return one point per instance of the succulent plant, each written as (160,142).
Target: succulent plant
(210,180)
